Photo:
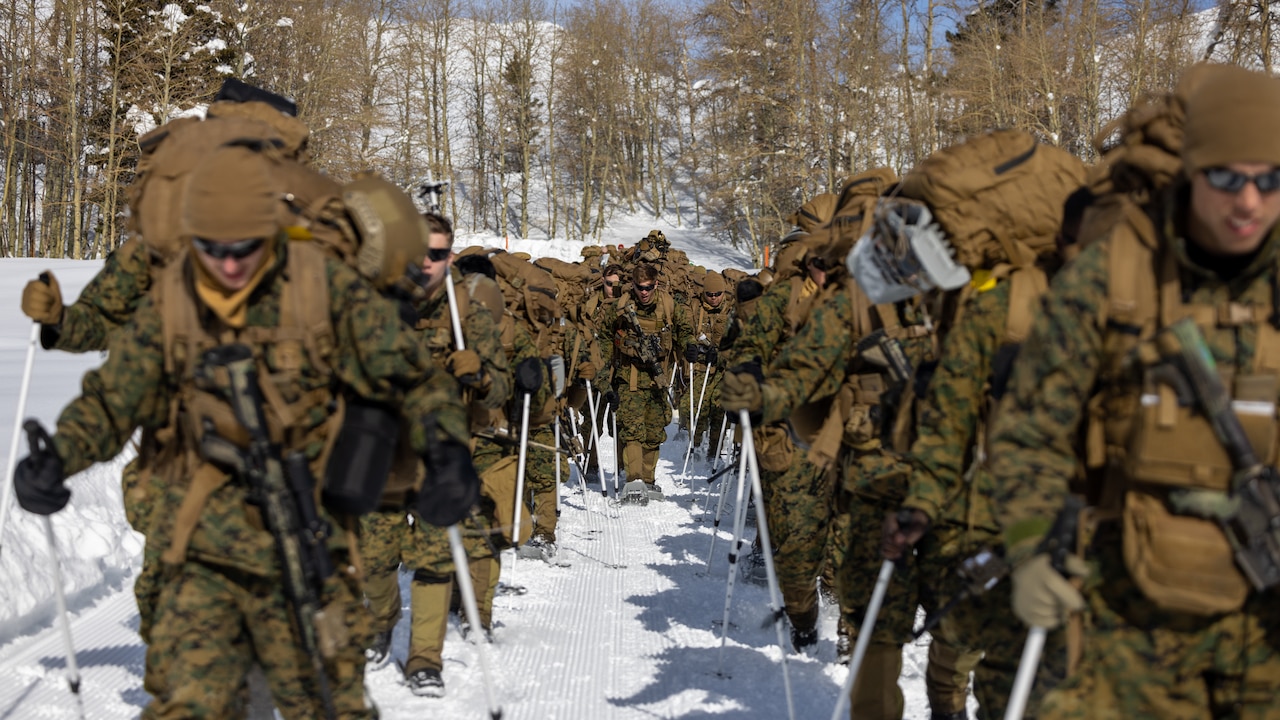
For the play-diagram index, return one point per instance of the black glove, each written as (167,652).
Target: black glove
(38,480)
(691,353)
(451,486)
(751,367)
(712,356)
(529,375)
(611,398)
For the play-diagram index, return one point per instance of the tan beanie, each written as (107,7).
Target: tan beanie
(231,195)
(713,283)
(1232,115)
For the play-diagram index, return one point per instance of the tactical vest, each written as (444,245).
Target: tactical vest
(634,330)
(1141,445)
(301,408)
(858,416)
(711,323)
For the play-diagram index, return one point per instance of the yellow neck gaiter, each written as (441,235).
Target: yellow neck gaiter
(231,306)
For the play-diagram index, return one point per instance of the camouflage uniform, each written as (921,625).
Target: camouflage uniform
(1139,660)
(224,607)
(815,364)
(949,430)
(799,496)
(391,538)
(641,365)
(709,328)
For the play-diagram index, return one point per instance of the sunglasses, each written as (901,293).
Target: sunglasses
(221,251)
(819,262)
(714,295)
(439,254)
(645,288)
(1228,180)
(612,284)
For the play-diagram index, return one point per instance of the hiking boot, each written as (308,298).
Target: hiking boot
(464,628)
(753,569)
(804,641)
(634,493)
(426,683)
(539,547)
(377,654)
(653,492)
(844,648)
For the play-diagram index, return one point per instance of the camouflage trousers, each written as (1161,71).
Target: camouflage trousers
(876,483)
(212,624)
(799,506)
(540,482)
(643,415)
(1141,661)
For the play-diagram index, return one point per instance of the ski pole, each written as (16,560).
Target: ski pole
(715,525)
(696,413)
(462,568)
(739,521)
(23,391)
(555,425)
(706,504)
(1026,676)
(864,635)
(595,435)
(73,669)
(522,457)
(617,470)
(766,548)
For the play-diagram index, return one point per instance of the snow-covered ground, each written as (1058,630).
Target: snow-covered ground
(627,626)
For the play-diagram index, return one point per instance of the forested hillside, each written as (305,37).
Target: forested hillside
(547,117)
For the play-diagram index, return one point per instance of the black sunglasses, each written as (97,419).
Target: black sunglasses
(714,295)
(819,262)
(439,254)
(221,251)
(1228,180)
(612,284)
(645,288)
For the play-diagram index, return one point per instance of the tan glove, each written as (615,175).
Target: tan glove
(463,363)
(586,371)
(740,391)
(1042,597)
(42,302)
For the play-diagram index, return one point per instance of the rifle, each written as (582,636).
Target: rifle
(431,192)
(978,573)
(1250,514)
(879,349)
(285,491)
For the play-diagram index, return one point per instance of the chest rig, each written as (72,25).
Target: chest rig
(1153,457)
(646,343)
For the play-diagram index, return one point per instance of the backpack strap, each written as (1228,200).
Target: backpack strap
(1026,285)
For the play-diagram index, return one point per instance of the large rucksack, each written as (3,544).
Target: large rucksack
(998,196)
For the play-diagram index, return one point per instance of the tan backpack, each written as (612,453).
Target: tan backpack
(998,196)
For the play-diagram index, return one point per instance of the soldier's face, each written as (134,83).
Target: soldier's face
(713,298)
(1229,221)
(438,260)
(644,291)
(231,262)
(611,283)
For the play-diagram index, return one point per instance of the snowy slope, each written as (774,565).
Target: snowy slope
(629,628)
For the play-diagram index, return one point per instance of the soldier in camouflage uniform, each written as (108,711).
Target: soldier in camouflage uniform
(645,334)
(711,319)
(109,300)
(799,496)
(822,361)
(390,538)
(611,289)
(1175,629)
(223,604)
(948,457)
